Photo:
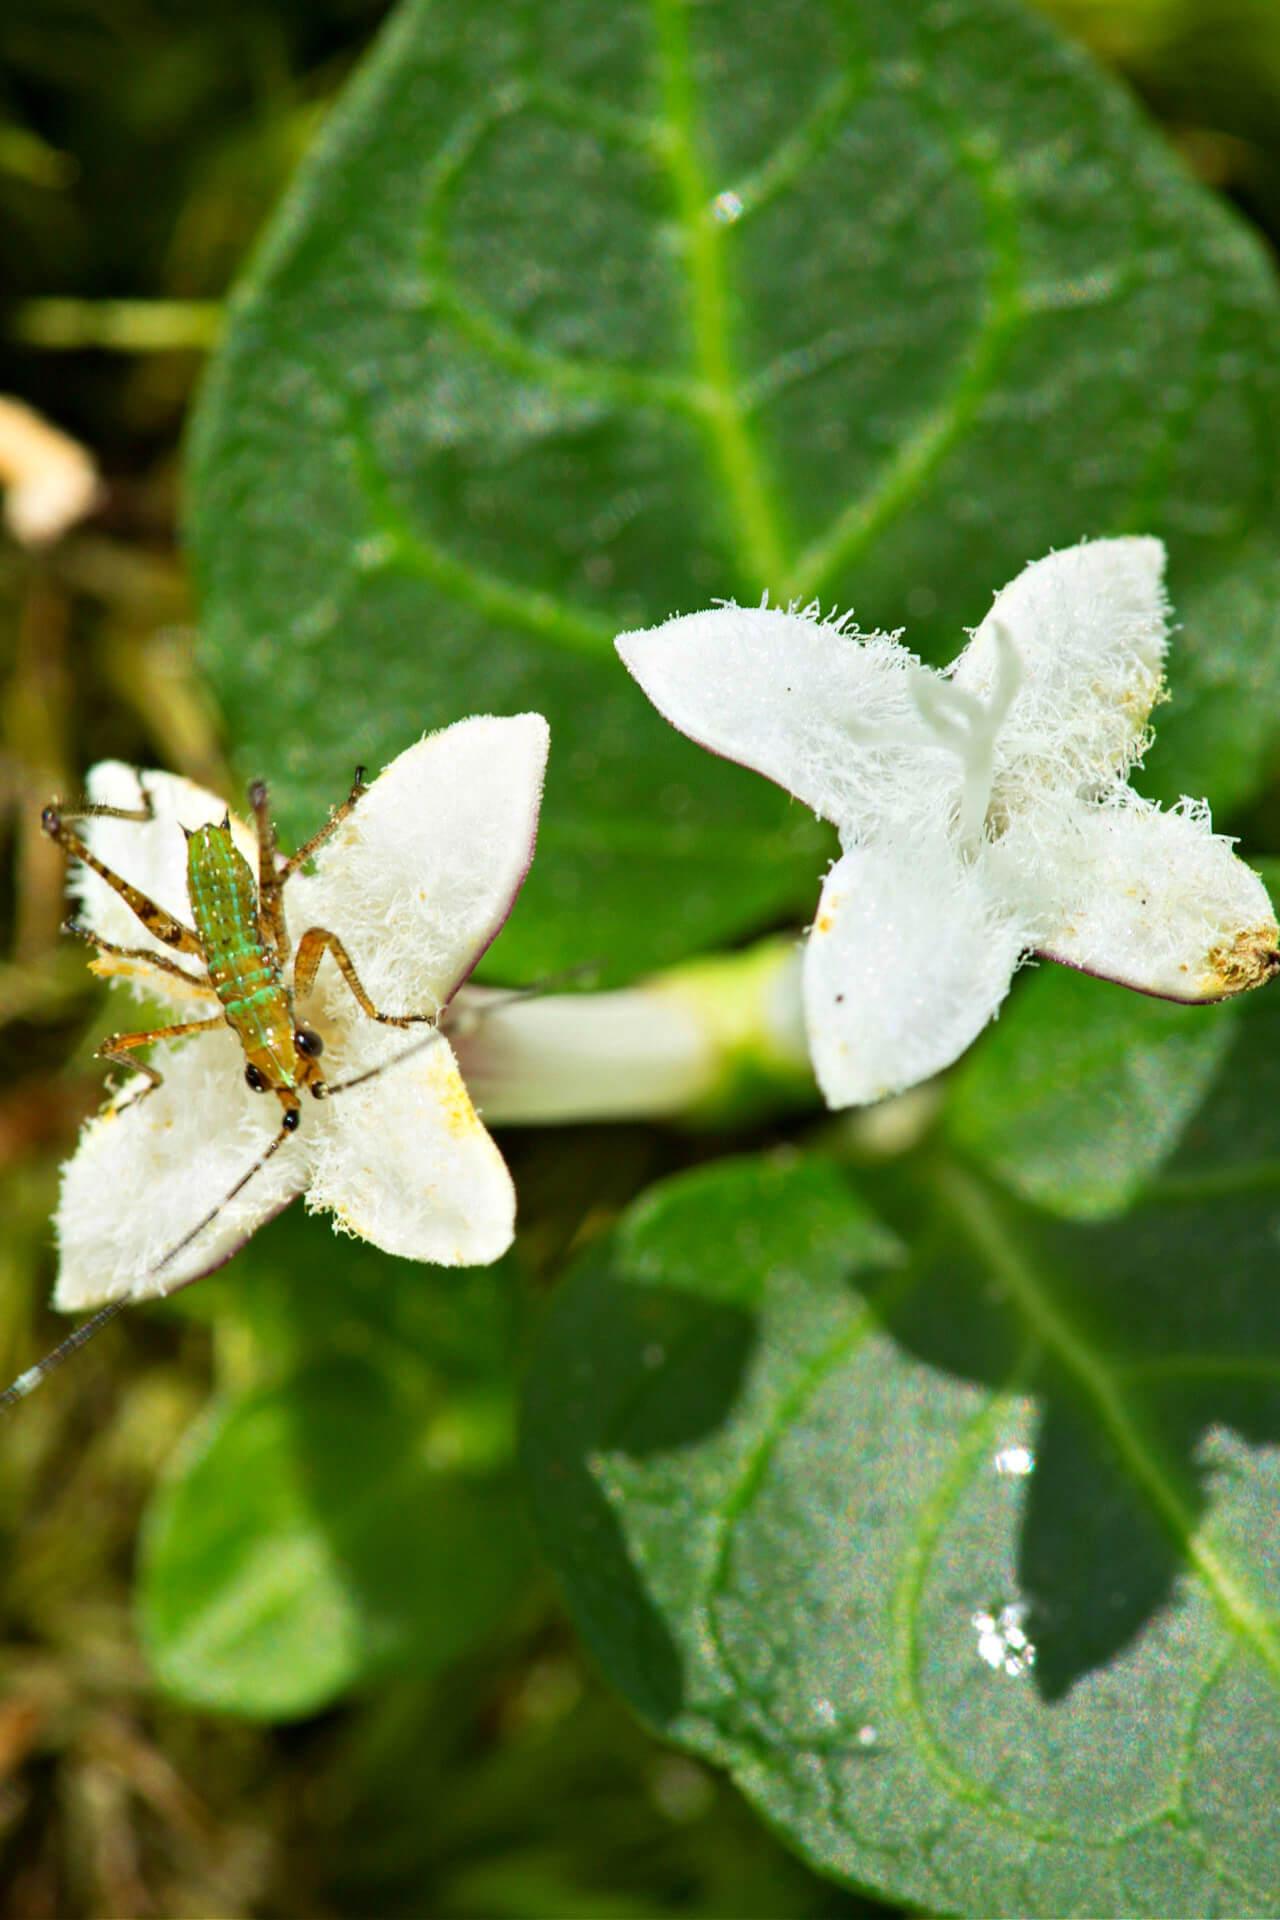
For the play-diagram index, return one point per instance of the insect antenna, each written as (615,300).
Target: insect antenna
(232,1193)
(28,1382)
(472,1016)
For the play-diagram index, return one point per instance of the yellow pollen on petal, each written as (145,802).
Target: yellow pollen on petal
(1250,960)
(460,1116)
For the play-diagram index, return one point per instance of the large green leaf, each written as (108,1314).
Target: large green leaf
(1082,1091)
(581,315)
(962,1562)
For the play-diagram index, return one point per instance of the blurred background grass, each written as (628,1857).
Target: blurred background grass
(141,148)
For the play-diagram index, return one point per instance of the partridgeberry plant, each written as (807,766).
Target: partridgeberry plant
(984,812)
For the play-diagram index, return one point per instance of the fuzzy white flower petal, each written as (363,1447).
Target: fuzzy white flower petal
(827,713)
(152,855)
(407,1163)
(1089,625)
(146,1171)
(1154,900)
(421,877)
(910,955)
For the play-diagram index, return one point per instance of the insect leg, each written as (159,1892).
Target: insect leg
(170,932)
(98,810)
(331,825)
(272,873)
(118,1047)
(149,954)
(311,950)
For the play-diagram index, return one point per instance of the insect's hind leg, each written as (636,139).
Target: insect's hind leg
(158,922)
(118,1048)
(311,950)
(272,874)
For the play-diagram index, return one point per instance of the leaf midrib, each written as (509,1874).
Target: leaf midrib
(976,1213)
(761,550)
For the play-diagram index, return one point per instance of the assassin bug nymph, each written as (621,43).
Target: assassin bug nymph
(240,947)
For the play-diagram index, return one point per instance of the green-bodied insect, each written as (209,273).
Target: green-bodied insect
(419,884)
(241,951)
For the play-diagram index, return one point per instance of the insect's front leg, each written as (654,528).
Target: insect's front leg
(157,921)
(311,950)
(119,1048)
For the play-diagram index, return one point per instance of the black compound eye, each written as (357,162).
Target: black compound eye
(308,1042)
(257,1081)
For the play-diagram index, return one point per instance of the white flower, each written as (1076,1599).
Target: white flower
(51,481)
(984,812)
(416,883)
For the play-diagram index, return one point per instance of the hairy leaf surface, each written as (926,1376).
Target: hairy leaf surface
(581,316)
(957,1546)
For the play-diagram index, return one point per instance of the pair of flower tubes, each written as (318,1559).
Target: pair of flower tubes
(984,814)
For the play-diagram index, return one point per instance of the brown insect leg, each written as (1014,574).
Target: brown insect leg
(270,878)
(118,1047)
(311,950)
(165,928)
(273,873)
(97,810)
(149,954)
(331,825)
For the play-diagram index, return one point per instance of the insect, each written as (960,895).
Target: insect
(239,948)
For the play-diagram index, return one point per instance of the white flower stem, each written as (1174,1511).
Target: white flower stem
(709,1042)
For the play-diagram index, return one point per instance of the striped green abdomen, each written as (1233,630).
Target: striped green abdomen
(242,972)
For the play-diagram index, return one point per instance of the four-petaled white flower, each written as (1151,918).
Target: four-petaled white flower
(984,812)
(416,883)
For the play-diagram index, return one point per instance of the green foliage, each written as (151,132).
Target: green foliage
(347,1507)
(1081,1091)
(961,1561)
(576,317)
(506,380)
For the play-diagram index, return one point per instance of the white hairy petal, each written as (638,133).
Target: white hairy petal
(828,714)
(1154,900)
(1089,626)
(421,877)
(910,955)
(146,1171)
(152,856)
(407,1163)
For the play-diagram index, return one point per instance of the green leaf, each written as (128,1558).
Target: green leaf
(1082,1091)
(964,1565)
(580,316)
(299,1291)
(318,1532)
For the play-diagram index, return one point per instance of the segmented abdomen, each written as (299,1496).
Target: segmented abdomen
(242,972)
